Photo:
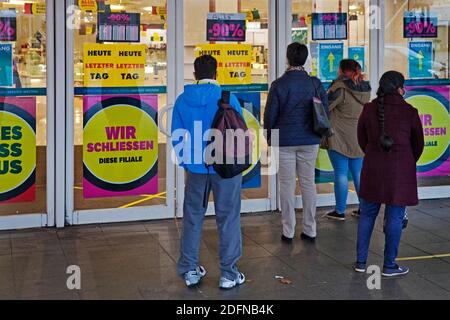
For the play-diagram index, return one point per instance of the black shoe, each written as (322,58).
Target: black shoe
(334,215)
(305,237)
(356,213)
(286,239)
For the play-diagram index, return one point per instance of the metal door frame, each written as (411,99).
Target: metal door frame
(250,205)
(45,219)
(66,212)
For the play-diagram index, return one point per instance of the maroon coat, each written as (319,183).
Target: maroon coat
(390,177)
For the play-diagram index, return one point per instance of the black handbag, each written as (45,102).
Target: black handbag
(322,125)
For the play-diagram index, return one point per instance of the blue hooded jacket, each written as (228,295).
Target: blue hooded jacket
(198,104)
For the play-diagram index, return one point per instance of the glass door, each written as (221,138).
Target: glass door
(417,35)
(26,139)
(121,170)
(237,34)
(333,30)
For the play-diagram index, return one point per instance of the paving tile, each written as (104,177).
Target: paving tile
(291,294)
(123,228)
(41,287)
(427,266)
(441,213)
(340,249)
(433,204)
(164,283)
(254,251)
(5,246)
(260,274)
(130,238)
(441,280)
(125,292)
(435,248)
(7,294)
(262,235)
(5,235)
(35,266)
(406,250)
(184,293)
(172,248)
(414,236)
(6,261)
(278,248)
(6,278)
(120,259)
(43,233)
(69,295)
(30,244)
(442,232)
(319,269)
(91,280)
(211,239)
(414,287)
(164,232)
(377,245)
(85,240)
(355,290)
(81,253)
(78,231)
(429,223)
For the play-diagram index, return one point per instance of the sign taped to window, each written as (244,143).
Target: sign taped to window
(329,26)
(119,27)
(8,25)
(226,27)
(420,25)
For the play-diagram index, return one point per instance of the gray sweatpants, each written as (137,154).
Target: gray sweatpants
(298,161)
(227,204)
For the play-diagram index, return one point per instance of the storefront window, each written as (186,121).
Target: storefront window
(120,84)
(417,44)
(23,107)
(236,33)
(333,30)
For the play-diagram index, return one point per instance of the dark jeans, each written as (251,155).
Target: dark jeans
(393,230)
(227,204)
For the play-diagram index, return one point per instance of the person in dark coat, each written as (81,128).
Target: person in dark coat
(289,112)
(391,135)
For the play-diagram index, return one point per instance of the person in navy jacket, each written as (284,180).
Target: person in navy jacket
(289,110)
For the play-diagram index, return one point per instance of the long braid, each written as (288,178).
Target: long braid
(386,141)
(390,83)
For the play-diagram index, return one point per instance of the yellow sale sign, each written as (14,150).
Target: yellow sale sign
(234,62)
(88,5)
(114,65)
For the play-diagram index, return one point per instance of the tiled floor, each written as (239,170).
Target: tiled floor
(137,261)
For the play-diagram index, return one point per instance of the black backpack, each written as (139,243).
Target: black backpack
(236,155)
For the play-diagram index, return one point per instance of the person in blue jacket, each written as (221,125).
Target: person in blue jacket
(193,115)
(289,110)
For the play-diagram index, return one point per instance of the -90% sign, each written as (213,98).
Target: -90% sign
(7,31)
(223,27)
(421,28)
(226,30)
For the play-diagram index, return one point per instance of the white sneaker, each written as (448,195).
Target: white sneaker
(227,284)
(193,277)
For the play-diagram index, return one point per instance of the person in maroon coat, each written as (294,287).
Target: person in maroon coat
(391,135)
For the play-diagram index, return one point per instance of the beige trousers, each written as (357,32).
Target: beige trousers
(298,162)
